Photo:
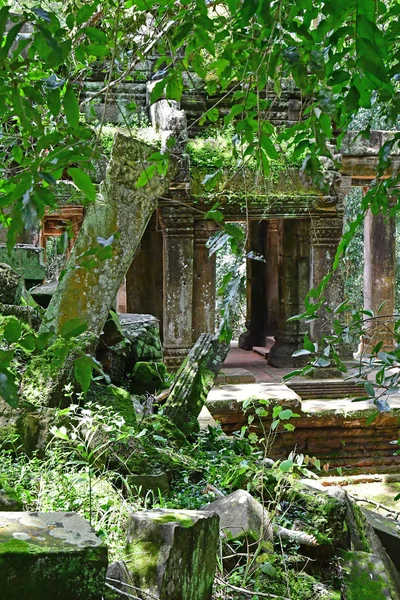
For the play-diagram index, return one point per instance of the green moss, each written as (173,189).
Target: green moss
(141,558)
(361,524)
(324,516)
(364,578)
(47,373)
(114,397)
(183,520)
(149,377)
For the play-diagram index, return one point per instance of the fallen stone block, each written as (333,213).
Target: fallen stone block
(241,516)
(149,483)
(11,285)
(366,576)
(50,555)
(27,260)
(143,331)
(172,554)
(388,531)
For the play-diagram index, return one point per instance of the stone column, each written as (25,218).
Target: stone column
(178,243)
(144,279)
(203,280)
(272,240)
(293,283)
(326,233)
(255,290)
(379,278)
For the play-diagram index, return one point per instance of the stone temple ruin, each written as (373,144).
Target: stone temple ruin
(162,267)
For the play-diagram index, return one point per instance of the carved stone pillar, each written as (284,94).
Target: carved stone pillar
(379,278)
(272,241)
(203,280)
(293,281)
(255,290)
(178,244)
(325,234)
(144,279)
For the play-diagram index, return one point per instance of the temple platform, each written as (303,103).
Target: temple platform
(337,431)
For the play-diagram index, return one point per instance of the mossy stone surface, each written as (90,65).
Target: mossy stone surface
(44,556)
(114,397)
(366,577)
(172,553)
(148,377)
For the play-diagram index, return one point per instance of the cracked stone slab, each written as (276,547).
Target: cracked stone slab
(50,555)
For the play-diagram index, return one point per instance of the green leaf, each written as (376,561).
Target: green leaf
(83,371)
(301,352)
(369,388)
(97,50)
(17,154)
(83,183)
(54,101)
(286,465)
(268,146)
(13,330)
(95,35)
(28,342)
(212,114)
(85,12)
(174,87)
(8,388)
(215,215)
(146,175)
(72,328)
(71,107)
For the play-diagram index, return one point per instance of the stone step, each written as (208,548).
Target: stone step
(328,389)
(261,350)
(50,555)
(234,375)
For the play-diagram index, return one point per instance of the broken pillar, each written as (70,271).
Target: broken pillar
(171,554)
(255,289)
(203,280)
(193,381)
(117,220)
(178,236)
(50,555)
(379,280)
(293,269)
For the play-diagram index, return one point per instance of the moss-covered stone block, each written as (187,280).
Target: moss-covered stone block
(47,374)
(367,578)
(27,260)
(172,553)
(11,285)
(149,377)
(143,331)
(44,556)
(113,397)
